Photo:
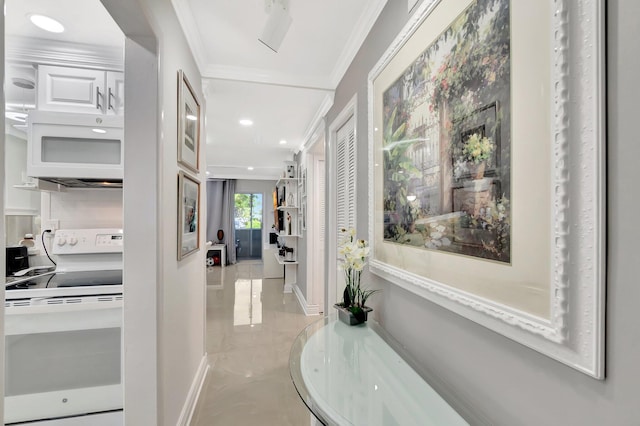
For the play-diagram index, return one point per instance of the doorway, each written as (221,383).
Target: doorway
(248,225)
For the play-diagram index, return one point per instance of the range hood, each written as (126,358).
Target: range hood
(85,182)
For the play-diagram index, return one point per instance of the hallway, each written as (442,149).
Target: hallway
(251,325)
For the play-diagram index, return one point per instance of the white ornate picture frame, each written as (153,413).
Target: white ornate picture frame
(549,292)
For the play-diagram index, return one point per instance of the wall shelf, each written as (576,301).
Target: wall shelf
(287,215)
(284,262)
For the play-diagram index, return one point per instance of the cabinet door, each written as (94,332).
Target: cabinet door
(71,89)
(115,93)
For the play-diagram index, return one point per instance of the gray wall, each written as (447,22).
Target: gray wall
(489,378)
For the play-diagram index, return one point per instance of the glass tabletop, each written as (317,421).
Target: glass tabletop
(354,375)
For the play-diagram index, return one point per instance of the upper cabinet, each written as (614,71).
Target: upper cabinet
(67,89)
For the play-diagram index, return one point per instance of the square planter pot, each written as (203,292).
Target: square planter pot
(348,317)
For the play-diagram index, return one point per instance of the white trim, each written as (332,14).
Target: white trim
(241,172)
(53,52)
(574,334)
(189,406)
(266,76)
(317,123)
(309,309)
(331,237)
(190,30)
(142,224)
(358,35)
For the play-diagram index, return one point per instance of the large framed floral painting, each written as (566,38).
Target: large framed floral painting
(484,177)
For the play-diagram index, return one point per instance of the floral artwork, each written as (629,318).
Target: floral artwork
(447,140)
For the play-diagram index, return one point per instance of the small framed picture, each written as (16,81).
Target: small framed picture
(188,215)
(188,124)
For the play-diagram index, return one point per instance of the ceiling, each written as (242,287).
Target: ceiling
(285,94)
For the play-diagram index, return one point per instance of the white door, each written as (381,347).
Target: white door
(343,191)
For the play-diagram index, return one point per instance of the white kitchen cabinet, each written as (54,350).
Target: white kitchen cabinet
(115,93)
(80,90)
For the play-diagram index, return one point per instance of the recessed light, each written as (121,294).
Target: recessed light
(283,142)
(208,172)
(46,23)
(246,122)
(249,168)
(99,131)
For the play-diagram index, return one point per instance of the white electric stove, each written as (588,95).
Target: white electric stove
(63,331)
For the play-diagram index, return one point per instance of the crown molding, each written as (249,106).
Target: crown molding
(318,119)
(263,76)
(241,172)
(358,35)
(190,30)
(27,50)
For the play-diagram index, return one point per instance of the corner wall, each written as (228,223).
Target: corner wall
(489,378)
(181,304)
(164,314)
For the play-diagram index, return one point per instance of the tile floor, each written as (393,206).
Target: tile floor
(251,325)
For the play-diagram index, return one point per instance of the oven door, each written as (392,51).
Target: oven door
(62,357)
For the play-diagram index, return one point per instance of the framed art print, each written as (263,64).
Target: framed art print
(188,124)
(486,168)
(188,215)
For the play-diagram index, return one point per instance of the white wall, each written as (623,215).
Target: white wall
(495,380)
(181,285)
(2,225)
(82,208)
(165,311)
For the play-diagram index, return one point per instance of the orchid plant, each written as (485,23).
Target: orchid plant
(353,255)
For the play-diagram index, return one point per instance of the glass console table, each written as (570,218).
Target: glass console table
(354,375)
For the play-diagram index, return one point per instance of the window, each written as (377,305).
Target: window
(248,226)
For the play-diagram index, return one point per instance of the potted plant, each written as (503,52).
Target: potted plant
(476,150)
(353,255)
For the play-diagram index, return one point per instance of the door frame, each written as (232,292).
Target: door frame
(331,162)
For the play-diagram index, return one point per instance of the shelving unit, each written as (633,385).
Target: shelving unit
(289,226)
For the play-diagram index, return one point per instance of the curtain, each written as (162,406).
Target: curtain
(220,214)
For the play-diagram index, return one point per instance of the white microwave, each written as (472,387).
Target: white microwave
(76,150)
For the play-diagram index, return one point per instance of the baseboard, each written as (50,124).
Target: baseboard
(288,288)
(309,309)
(194,393)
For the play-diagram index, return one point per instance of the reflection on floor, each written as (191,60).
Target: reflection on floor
(251,324)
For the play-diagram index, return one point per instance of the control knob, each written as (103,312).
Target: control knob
(73,241)
(62,241)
